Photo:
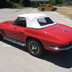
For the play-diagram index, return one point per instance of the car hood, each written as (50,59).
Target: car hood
(64,33)
(7,22)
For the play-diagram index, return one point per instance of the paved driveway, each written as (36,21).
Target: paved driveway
(15,58)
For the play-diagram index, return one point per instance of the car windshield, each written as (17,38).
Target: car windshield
(42,5)
(45,21)
(17,20)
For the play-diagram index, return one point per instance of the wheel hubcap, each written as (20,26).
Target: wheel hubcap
(33,46)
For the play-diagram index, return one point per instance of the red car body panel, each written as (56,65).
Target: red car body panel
(49,36)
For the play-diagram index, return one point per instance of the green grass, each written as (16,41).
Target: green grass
(66,11)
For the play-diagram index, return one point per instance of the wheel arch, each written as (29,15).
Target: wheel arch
(43,8)
(33,38)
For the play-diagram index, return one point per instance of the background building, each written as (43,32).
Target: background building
(35,3)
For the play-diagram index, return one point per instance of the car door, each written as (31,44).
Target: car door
(19,33)
(16,31)
(49,7)
(3,29)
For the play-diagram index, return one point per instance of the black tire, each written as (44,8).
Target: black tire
(1,37)
(54,9)
(35,48)
(43,9)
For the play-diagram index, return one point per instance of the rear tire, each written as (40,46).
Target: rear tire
(35,48)
(1,37)
(43,9)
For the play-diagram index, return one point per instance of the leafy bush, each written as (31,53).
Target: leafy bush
(6,4)
(22,2)
(9,4)
(54,2)
(59,1)
(17,5)
(25,3)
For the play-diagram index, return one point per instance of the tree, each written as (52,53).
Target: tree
(6,4)
(52,2)
(22,2)
(25,3)
(66,2)
(15,1)
(59,1)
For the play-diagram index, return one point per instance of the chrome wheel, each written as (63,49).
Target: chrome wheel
(33,47)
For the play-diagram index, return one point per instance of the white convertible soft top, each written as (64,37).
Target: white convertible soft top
(31,20)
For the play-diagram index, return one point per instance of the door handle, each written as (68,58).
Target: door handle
(14,27)
(1,26)
(21,32)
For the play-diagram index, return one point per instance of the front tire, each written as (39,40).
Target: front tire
(35,48)
(54,9)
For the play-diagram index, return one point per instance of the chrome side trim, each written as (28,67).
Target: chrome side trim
(14,41)
(56,48)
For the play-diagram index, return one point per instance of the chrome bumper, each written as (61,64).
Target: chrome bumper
(56,48)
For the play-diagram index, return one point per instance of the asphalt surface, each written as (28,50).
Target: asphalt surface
(15,58)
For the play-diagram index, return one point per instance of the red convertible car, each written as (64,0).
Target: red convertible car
(37,32)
